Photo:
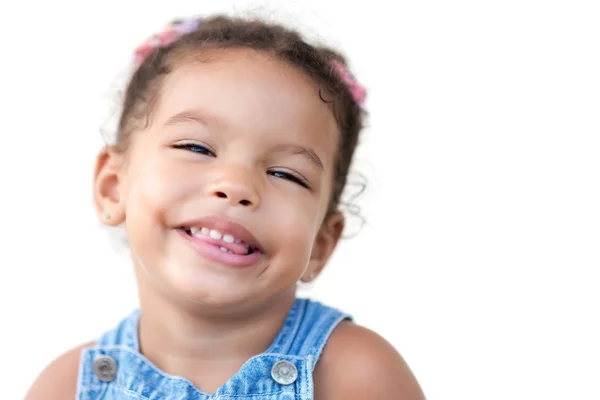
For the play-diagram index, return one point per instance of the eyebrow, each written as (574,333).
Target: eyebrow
(198,116)
(306,152)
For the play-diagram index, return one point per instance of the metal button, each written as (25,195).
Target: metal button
(105,368)
(284,372)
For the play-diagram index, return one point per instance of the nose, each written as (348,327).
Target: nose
(235,187)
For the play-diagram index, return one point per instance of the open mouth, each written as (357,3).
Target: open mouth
(225,242)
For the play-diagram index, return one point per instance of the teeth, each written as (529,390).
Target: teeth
(215,234)
(225,250)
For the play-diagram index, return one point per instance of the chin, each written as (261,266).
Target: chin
(197,282)
(209,288)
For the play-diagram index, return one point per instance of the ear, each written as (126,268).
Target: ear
(107,184)
(325,242)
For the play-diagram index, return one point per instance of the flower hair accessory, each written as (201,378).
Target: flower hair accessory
(359,93)
(170,34)
(177,29)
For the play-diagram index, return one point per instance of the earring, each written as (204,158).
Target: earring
(107,216)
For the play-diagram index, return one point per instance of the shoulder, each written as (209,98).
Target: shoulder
(357,363)
(59,379)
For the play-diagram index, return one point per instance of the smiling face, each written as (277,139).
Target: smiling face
(225,194)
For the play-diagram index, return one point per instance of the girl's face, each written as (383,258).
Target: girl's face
(239,148)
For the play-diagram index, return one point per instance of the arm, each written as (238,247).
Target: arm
(358,364)
(59,379)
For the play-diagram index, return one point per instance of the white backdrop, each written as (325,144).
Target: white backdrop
(481,254)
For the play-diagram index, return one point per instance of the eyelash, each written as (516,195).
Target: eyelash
(190,146)
(278,174)
(290,177)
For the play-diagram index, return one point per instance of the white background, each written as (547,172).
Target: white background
(481,254)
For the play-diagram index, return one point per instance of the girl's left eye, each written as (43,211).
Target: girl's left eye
(195,147)
(290,177)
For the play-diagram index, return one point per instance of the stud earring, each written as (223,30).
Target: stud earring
(309,278)
(107,216)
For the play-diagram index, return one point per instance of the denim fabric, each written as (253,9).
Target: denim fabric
(300,341)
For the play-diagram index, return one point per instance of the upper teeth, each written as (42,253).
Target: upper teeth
(215,234)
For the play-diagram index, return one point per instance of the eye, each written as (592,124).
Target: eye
(290,177)
(195,147)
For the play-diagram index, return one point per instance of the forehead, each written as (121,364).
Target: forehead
(252,93)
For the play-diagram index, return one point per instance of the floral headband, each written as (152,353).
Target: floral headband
(177,29)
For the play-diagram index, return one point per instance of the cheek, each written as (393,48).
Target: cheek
(154,189)
(293,223)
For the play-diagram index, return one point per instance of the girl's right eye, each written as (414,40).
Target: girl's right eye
(196,148)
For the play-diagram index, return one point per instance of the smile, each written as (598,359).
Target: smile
(227,243)
(222,241)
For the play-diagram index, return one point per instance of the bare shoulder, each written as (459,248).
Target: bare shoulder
(59,379)
(357,364)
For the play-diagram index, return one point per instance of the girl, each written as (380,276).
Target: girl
(232,151)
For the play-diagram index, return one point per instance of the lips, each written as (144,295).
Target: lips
(225,241)
(222,240)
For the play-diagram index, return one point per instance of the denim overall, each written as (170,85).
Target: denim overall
(115,368)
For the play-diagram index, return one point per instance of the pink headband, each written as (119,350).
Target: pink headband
(175,30)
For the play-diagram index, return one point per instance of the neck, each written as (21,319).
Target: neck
(204,347)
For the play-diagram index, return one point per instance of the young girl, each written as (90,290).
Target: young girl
(232,151)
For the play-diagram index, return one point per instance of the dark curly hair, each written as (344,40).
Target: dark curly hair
(221,32)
